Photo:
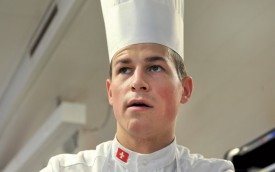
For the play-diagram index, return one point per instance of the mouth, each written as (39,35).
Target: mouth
(140,104)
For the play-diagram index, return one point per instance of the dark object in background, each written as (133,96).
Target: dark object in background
(256,154)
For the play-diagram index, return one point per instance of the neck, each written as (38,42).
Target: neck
(145,145)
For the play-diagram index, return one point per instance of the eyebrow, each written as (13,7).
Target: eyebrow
(147,59)
(123,61)
(154,58)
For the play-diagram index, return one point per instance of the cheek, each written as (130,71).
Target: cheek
(171,97)
(116,109)
(117,99)
(170,92)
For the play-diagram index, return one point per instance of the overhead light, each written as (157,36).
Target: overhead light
(50,31)
(57,129)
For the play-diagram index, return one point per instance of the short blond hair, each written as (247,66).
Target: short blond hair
(179,63)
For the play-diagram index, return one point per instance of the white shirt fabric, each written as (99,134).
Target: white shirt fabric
(111,156)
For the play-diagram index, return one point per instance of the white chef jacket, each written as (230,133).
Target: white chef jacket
(111,156)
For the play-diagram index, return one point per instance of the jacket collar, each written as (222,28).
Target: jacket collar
(135,161)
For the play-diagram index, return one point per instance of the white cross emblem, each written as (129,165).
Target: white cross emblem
(121,155)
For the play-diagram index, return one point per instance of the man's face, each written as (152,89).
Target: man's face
(145,91)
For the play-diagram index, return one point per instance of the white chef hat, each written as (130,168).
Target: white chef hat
(130,22)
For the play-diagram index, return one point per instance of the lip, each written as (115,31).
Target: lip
(131,103)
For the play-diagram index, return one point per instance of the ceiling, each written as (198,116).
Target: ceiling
(229,52)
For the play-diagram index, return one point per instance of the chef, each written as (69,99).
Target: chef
(147,85)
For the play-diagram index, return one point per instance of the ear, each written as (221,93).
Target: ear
(109,91)
(187,84)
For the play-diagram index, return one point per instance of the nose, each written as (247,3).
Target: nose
(139,82)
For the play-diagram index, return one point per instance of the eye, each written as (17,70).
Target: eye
(155,68)
(124,70)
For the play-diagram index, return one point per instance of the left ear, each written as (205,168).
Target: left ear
(187,84)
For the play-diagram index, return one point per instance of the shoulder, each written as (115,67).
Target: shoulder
(197,162)
(83,159)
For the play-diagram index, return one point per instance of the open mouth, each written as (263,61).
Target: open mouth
(139,105)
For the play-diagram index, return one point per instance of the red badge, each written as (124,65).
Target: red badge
(122,155)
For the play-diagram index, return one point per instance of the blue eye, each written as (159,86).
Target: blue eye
(155,68)
(124,70)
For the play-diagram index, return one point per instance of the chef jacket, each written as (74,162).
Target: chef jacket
(111,156)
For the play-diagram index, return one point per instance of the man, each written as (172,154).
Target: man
(147,85)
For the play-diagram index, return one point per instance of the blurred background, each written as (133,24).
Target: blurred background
(54,53)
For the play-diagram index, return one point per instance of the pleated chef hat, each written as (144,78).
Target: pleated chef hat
(129,22)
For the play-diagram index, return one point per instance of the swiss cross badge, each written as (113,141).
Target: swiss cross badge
(122,155)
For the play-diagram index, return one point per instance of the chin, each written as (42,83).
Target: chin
(140,129)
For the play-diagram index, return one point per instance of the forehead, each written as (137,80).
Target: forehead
(141,50)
